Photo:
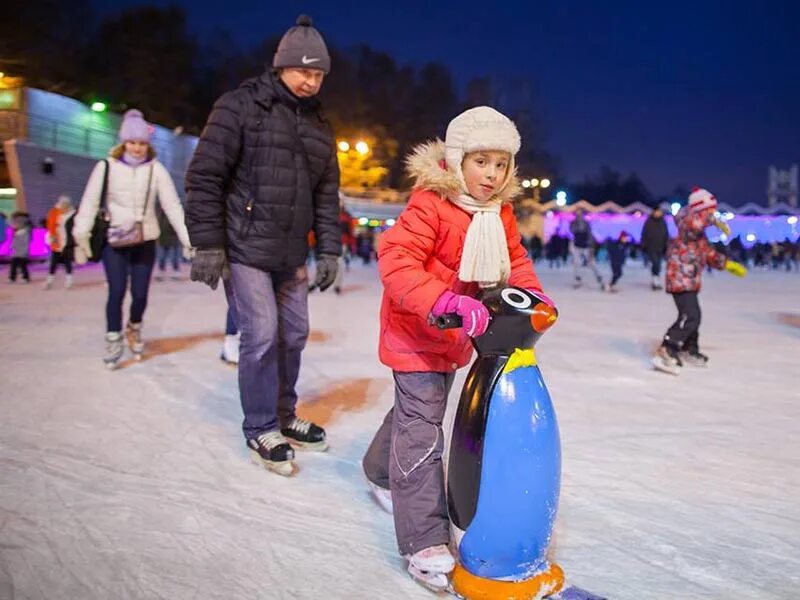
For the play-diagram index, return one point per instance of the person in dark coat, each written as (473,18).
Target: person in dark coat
(263,175)
(582,248)
(616,256)
(654,243)
(169,248)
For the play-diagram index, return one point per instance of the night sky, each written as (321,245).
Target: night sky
(695,93)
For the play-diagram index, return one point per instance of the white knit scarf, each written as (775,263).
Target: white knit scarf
(485,257)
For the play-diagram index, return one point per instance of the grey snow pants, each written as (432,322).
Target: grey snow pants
(406,457)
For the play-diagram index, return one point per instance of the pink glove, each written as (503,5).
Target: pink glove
(474,316)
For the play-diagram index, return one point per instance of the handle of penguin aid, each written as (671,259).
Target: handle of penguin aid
(449,321)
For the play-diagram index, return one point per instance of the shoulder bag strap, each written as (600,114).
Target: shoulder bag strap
(147,193)
(104,190)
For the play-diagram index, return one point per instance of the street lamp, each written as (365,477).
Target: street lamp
(561,198)
(537,185)
(362,147)
(343,146)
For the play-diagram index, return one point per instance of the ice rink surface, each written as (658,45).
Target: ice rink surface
(137,484)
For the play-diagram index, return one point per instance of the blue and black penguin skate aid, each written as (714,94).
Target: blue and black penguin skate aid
(504,472)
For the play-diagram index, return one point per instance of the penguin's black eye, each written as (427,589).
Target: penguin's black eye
(516,298)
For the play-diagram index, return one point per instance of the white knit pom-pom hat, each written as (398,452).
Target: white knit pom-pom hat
(701,199)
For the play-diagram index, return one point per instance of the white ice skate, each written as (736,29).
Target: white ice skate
(666,363)
(133,335)
(114,350)
(382,496)
(431,566)
(230,350)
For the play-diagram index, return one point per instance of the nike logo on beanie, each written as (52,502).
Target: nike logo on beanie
(302,46)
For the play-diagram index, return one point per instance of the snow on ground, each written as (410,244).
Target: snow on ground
(136,483)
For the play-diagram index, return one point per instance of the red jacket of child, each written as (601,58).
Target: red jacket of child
(689,252)
(419,259)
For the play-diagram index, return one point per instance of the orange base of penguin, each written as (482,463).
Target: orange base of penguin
(542,585)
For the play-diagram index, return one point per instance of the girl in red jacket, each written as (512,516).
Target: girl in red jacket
(688,254)
(456,236)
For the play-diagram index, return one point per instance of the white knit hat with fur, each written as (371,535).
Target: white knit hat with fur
(480,128)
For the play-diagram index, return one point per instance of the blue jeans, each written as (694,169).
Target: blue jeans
(171,254)
(272,311)
(137,263)
(231,321)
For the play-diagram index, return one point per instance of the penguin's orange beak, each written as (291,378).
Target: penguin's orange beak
(543,317)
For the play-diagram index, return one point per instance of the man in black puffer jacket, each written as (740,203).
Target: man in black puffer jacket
(265,174)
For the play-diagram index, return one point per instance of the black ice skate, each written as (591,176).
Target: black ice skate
(271,450)
(694,358)
(666,360)
(305,435)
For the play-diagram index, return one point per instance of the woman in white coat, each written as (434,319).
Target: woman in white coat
(136,180)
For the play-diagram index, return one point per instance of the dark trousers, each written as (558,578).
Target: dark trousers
(171,254)
(616,271)
(655,259)
(406,456)
(231,321)
(272,311)
(60,258)
(684,333)
(120,264)
(19,263)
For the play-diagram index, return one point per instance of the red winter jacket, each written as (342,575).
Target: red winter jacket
(689,252)
(419,259)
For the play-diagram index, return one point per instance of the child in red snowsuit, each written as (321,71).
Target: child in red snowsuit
(688,254)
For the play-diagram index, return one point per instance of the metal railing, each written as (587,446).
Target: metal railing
(66,137)
(94,142)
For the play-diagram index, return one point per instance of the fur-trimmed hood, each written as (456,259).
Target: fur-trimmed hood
(425,165)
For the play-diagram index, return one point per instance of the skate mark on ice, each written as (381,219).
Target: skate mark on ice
(790,319)
(318,336)
(154,347)
(351,395)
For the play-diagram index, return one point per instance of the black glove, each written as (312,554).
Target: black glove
(208,265)
(327,266)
